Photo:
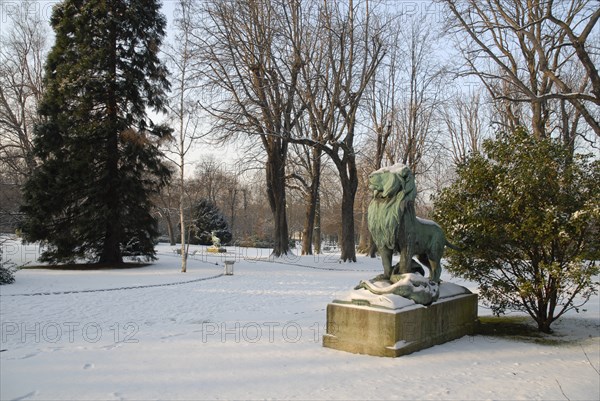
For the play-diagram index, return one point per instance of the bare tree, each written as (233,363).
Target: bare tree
(232,194)
(364,196)
(166,206)
(23,49)
(383,94)
(419,98)
(534,53)
(465,125)
(345,54)
(591,14)
(305,177)
(250,51)
(22,53)
(184,109)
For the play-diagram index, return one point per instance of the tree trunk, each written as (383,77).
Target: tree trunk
(183,250)
(544,324)
(373,249)
(348,174)
(111,250)
(347,243)
(542,318)
(365,236)
(311,204)
(317,226)
(172,241)
(309,224)
(544,327)
(538,125)
(275,166)
(233,195)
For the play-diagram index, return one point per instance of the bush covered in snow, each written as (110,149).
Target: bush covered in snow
(7,269)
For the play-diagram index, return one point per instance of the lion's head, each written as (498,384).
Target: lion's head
(393,188)
(384,184)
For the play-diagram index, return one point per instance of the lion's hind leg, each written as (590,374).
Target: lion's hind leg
(435,270)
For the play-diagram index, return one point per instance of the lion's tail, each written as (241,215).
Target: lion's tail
(452,246)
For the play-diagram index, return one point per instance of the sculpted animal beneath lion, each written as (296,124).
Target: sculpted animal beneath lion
(394,226)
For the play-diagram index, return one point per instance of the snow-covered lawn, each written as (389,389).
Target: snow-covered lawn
(254,335)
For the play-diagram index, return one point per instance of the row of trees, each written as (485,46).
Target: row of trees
(244,208)
(316,74)
(295,80)
(309,80)
(292,72)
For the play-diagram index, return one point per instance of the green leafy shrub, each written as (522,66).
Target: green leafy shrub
(526,213)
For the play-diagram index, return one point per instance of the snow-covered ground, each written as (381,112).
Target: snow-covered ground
(254,335)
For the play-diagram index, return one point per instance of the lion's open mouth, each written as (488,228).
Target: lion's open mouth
(376,191)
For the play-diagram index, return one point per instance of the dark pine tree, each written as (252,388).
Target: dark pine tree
(206,219)
(97,150)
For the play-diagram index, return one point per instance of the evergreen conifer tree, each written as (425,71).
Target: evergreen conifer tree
(207,218)
(97,151)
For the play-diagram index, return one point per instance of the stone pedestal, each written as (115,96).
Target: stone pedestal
(392,326)
(215,249)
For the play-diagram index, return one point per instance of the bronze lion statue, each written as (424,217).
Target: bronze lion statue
(395,227)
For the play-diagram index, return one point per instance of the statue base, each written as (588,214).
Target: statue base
(214,249)
(392,326)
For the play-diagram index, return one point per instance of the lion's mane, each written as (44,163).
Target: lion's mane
(384,218)
(390,208)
